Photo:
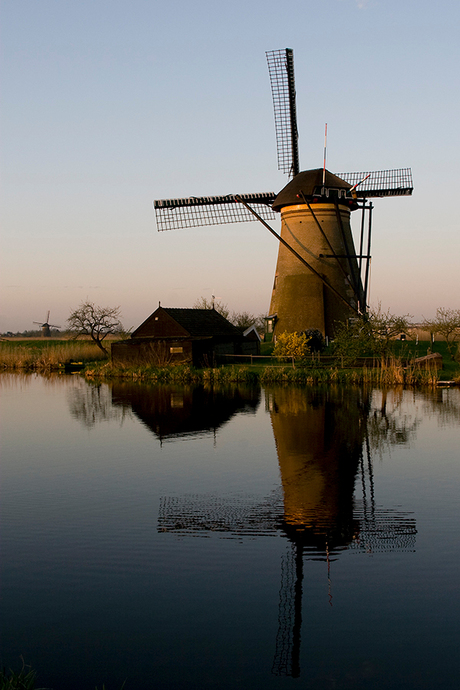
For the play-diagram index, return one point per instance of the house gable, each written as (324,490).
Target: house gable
(160,324)
(195,323)
(251,333)
(204,323)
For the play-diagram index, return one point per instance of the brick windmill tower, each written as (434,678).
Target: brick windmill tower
(320,277)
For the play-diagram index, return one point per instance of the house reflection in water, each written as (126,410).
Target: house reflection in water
(172,411)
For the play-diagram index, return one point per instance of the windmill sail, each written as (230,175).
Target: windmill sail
(281,70)
(192,212)
(380,183)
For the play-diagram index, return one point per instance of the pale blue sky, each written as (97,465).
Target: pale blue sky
(109,104)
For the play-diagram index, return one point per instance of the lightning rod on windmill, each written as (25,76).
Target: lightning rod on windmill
(324,156)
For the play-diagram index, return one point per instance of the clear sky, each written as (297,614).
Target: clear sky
(109,104)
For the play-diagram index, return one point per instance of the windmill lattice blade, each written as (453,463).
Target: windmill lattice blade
(397,182)
(281,71)
(192,212)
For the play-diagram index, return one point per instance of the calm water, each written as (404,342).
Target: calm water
(230,538)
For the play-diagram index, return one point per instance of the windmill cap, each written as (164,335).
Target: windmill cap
(307,183)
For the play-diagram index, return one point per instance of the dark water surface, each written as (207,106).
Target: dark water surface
(182,537)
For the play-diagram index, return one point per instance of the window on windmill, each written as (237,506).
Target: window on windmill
(176,350)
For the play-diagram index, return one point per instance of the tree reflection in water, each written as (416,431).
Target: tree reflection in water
(92,404)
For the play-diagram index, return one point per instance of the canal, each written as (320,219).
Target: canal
(204,537)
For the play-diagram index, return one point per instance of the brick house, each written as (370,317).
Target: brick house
(176,336)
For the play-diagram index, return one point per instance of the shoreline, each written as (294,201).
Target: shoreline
(84,359)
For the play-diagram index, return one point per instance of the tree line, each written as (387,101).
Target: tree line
(374,332)
(371,334)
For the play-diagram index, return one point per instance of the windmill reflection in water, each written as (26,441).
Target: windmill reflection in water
(325,440)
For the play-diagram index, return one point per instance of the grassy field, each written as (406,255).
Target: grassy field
(46,355)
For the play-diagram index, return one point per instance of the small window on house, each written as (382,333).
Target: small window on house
(176,350)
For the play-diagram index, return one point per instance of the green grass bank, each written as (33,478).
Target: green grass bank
(70,355)
(387,375)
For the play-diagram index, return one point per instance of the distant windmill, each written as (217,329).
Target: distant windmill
(45,327)
(320,279)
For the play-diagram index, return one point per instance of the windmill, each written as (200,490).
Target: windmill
(320,278)
(45,327)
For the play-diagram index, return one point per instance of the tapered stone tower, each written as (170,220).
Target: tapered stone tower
(325,288)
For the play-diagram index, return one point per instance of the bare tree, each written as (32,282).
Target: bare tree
(372,335)
(97,322)
(204,303)
(447,324)
(243,319)
(239,319)
(384,327)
